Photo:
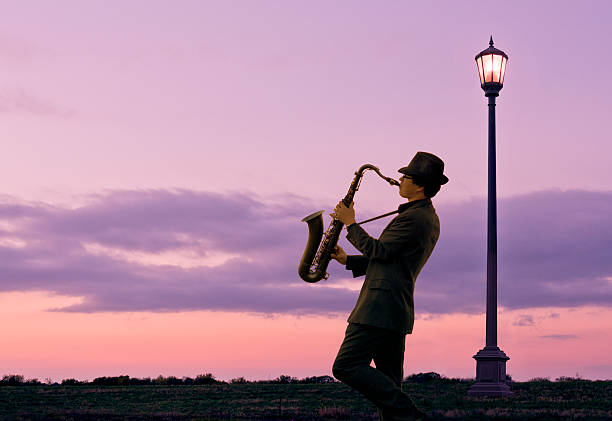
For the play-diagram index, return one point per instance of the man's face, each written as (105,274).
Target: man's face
(407,188)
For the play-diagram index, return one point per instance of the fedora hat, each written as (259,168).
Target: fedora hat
(428,166)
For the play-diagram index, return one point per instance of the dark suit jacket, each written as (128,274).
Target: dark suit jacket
(391,265)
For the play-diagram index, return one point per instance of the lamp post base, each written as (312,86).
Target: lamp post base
(490,373)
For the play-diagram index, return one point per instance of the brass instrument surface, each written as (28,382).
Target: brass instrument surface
(317,254)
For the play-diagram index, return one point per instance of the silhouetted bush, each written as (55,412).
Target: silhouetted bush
(209,379)
(70,382)
(18,380)
(159,380)
(317,380)
(172,380)
(569,379)
(139,382)
(423,377)
(539,380)
(206,379)
(112,381)
(283,379)
(12,380)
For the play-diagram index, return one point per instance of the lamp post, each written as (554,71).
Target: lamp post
(491,361)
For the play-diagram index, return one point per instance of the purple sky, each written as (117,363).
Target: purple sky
(158,156)
(275,97)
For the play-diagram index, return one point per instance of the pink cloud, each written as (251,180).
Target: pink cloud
(20,101)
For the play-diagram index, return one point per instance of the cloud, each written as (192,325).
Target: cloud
(524,320)
(179,250)
(553,250)
(20,101)
(57,255)
(560,337)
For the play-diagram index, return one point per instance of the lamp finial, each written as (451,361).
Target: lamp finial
(491,41)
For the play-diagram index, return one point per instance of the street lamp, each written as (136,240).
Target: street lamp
(491,361)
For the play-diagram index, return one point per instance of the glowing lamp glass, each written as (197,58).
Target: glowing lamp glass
(491,68)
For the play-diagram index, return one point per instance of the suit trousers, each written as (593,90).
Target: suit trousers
(381,385)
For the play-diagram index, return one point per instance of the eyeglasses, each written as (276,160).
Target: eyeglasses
(407,177)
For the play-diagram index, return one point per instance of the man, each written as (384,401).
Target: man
(384,312)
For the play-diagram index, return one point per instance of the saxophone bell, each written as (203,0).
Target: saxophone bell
(315,233)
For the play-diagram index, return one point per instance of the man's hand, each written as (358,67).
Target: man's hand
(344,214)
(339,255)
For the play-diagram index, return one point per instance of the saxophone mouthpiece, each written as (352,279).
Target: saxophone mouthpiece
(393,182)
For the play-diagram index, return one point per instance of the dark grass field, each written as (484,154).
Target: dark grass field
(531,401)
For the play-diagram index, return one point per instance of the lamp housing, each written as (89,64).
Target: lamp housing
(491,69)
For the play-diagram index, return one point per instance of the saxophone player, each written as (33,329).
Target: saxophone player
(384,312)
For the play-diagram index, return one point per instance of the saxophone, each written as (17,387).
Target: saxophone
(316,257)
